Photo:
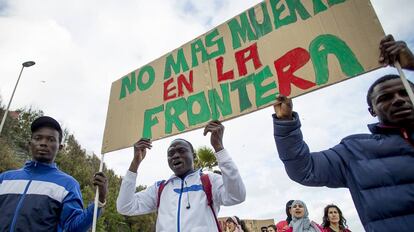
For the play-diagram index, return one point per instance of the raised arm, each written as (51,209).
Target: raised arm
(129,202)
(325,168)
(140,150)
(228,189)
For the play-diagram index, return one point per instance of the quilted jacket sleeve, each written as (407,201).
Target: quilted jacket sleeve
(324,168)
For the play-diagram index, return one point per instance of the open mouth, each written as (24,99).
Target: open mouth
(177,163)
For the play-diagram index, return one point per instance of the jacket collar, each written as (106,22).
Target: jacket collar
(379,128)
(36,165)
(173,176)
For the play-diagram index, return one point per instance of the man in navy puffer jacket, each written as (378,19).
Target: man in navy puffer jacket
(377,168)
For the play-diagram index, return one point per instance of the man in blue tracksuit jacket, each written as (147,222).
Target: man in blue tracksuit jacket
(40,197)
(378,167)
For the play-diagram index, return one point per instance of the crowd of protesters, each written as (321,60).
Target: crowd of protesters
(297,220)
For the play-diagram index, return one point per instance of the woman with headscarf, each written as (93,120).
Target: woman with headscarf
(333,220)
(283,225)
(300,220)
(234,224)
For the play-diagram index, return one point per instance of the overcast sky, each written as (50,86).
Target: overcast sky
(80,47)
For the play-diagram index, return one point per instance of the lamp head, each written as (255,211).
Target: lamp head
(28,63)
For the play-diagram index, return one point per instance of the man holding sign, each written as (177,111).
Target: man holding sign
(41,197)
(183,200)
(377,168)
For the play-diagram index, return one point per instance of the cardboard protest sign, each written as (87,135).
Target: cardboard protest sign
(287,47)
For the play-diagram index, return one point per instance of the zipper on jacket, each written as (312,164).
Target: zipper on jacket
(19,206)
(179,206)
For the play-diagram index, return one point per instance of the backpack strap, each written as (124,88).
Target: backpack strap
(205,181)
(160,188)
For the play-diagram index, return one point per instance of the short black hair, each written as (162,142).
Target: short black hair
(191,146)
(46,121)
(378,81)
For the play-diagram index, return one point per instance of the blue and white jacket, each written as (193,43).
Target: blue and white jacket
(40,197)
(377,169)
(183,203)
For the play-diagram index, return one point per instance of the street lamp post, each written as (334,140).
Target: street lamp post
(24,65)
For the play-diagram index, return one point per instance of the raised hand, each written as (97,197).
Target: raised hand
(217,130)
(140,150)
(392,51)
(283,108)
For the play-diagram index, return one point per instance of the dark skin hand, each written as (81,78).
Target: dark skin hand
(217,130)
(283,108)
(100,180)
(392,51)
(140,150)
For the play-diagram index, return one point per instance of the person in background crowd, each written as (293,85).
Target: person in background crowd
(283,225)
(263,229)
(271,228)
(234,224)
(300,219)
(333,220)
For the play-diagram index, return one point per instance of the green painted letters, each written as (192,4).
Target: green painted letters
(196,47)
(324,45)
(334,2)
(211,41)
(264,27)
(203,115)
(178,106)
(261,90)
(149,121)
(241,86)
(129,84)
(178,67)
(239,30)
(294,6)
(223,103)
(151,77)
(318,6)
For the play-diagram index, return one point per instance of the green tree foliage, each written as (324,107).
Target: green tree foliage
(75,161)
(205,159)
(7,157)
